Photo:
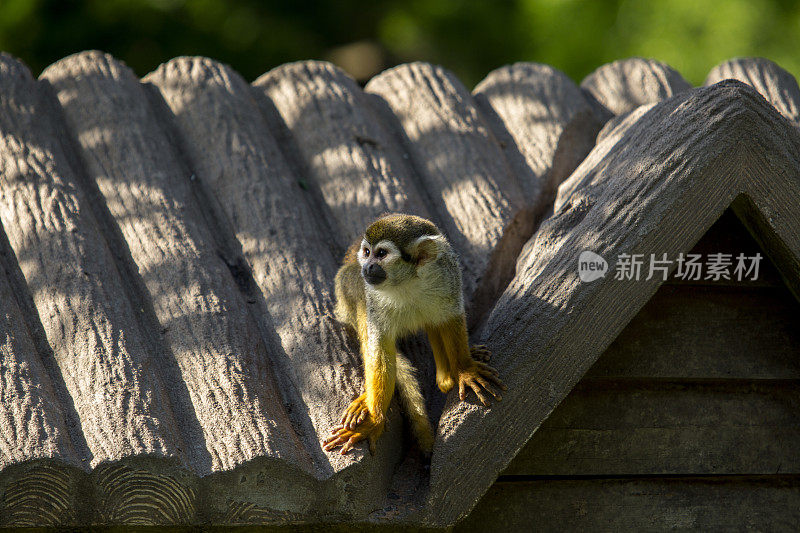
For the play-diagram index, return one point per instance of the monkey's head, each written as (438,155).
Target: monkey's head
(394,248)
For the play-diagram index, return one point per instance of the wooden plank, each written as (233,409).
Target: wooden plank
(648,428)
(44,493)
(359,168)
(708,332)
(75,286)
(769,503)
(240,168)
(665,188)
(774,83)
(543,122)
(479,201)
(33,421)
(624,85)
(203,316)
(33,426)
(107,363)
(40,470)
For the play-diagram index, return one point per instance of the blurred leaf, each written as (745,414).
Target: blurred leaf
(468,37)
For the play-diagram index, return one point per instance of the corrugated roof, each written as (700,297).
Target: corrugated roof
(169,246)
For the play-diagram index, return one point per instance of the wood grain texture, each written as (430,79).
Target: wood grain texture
(359,168)
(143,492)
(478,199)
(44,493)
(33,422)
(670,183)
(613,137)
(543,122)
(239,164)
(624,85)
(202,315)
(656,504)
(90,326)
(775,84)
(33,426)
(650,427)
(618,124)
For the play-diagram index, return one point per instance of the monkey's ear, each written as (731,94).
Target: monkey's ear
(426,249)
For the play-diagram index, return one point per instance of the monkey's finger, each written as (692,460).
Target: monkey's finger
(361,417)
(340,430)
(336,435)
(333,444)
(350,442)
(487,368)
(461,393)
(481,352)
(353,407)
(348,420)
(337,432)
(495,380)
(372,446)
(347,446)
(347,412)
(477,390)
(487,388)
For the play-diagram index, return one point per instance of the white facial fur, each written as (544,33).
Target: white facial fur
(431,294)
(392,251)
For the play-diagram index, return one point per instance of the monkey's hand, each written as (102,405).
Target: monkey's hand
(370,429)
(481,378)
(355,413)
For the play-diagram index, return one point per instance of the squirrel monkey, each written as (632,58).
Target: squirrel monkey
(401,277)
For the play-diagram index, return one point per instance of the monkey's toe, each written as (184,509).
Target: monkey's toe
(355,413)
(480,352)
(481,379)
(347,438)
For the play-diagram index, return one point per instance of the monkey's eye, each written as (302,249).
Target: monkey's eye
(366,252)
(380,253)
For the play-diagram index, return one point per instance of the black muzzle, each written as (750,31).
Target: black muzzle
(374,274)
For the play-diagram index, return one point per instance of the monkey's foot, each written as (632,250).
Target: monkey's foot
(480,352)
(480,378)
(355,413)
(368,430)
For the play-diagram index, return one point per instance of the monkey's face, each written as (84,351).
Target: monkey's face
(383,264)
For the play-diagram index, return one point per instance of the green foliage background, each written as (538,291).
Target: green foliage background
(470,37)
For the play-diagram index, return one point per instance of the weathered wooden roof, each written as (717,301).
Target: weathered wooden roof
(169,353)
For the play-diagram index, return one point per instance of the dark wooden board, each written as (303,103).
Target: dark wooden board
(708,333)
(657,504)
(642,427)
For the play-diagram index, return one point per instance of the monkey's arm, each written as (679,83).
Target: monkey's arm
(380,369)
(454,364)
